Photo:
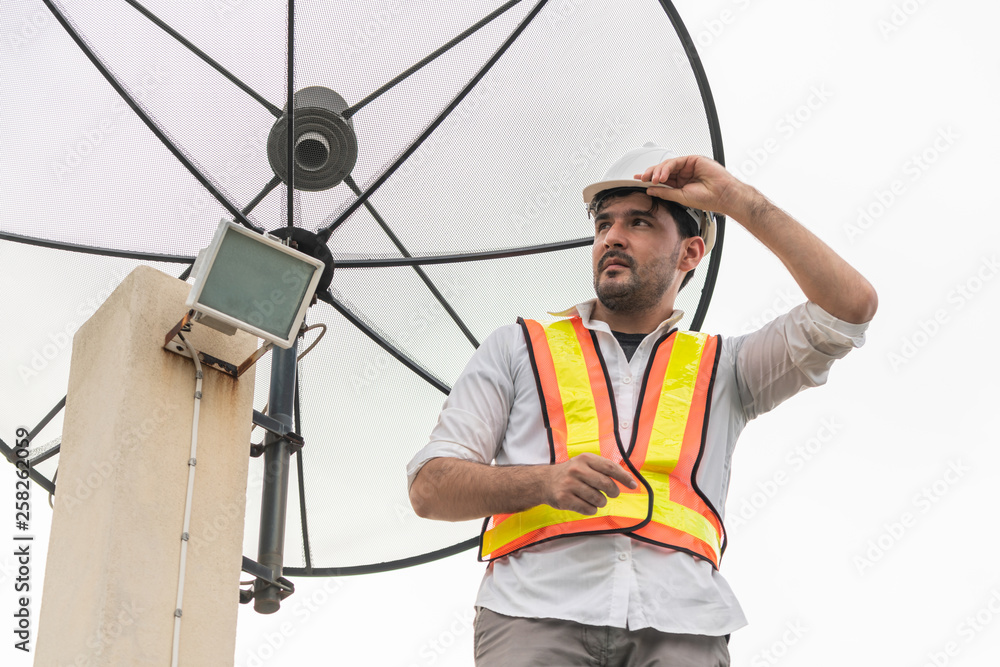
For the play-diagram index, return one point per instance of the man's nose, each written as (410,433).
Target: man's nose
(615,236)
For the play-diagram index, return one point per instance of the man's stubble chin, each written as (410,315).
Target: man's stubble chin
(643,290)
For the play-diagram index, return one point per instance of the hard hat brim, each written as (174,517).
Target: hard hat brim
(705,220)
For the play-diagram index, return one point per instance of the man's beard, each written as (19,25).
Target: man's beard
(644,288)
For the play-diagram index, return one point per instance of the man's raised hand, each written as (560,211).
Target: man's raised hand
(824,277)
(698,182)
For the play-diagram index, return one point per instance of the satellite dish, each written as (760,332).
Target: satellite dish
(439,150)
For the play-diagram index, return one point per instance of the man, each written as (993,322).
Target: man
(612,432)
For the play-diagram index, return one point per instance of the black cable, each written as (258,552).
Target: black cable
(303,519)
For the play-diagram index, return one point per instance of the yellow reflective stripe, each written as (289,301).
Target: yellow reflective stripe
(667,435)
(663,451)
(582,429)
(684,519)
(628,505)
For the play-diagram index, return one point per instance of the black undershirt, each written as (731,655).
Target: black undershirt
(629,342)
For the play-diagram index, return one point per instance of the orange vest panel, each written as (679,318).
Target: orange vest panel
(579,414)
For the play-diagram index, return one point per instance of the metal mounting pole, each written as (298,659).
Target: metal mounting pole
(274,497)
(281,399)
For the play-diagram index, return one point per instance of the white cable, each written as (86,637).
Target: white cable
(192,461)
(315,342)
(52,495)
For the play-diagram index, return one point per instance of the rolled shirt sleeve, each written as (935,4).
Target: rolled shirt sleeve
(474,418)
(790,353)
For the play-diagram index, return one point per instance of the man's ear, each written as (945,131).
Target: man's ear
(692,252)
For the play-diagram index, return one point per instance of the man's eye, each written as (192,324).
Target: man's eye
(602,226)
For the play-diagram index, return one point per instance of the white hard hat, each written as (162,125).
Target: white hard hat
(636,161)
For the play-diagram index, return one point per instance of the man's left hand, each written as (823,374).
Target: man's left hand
(825,278)
(698,182)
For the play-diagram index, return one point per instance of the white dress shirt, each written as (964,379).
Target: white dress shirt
(493,414)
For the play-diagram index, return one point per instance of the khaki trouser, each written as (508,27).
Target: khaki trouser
(505,641)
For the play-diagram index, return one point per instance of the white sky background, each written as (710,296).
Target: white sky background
(845,522)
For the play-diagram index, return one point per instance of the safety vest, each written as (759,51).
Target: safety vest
(668,433)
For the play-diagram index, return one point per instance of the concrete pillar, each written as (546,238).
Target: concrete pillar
(114,551)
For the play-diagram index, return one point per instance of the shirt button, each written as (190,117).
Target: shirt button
(622,556)
(627,379)
(626,424)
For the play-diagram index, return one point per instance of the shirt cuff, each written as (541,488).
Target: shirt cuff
(829,329)
(437,449)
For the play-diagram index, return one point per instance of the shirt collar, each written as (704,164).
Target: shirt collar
(587,307)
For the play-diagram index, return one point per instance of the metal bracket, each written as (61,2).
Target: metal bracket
(270,424)
(266,575)
(273,426)
(174,342)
